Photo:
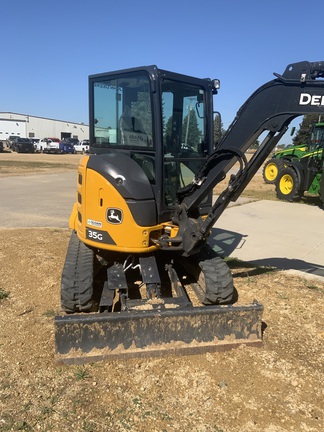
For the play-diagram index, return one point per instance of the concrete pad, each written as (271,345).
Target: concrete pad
(37,201)
(269,233)
(273,233)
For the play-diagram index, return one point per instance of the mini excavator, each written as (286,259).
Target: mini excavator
(140,277)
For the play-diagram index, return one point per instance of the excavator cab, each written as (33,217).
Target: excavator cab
(161,120)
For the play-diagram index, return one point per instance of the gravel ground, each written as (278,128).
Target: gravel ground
(276,388)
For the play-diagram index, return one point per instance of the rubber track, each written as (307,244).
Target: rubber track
(77,277)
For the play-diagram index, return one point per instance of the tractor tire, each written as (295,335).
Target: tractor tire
(271,169)
(288,186)
(77,277)
(214,277)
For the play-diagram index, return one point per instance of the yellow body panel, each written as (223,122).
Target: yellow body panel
(89,217)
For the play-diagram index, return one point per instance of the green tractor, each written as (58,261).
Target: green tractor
(281,158)
(300,176)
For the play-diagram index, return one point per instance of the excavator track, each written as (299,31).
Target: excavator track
(77,277)
(188,311)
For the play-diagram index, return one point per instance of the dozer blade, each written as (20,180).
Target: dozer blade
(192,330)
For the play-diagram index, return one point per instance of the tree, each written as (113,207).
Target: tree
(255,145)
(303,133)
(141,110)
(167,131)
(219,131)
(191,135)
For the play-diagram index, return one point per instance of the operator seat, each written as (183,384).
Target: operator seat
(129,123)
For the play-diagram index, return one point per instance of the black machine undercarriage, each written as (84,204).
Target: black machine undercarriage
(152,306)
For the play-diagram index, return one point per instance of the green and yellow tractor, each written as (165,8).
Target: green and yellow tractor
(281,158)
(303,175)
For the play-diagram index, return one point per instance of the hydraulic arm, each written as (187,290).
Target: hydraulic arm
(269,110)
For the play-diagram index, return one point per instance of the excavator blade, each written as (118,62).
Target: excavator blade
(192,330)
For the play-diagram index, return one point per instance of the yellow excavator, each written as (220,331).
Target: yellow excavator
(140,277)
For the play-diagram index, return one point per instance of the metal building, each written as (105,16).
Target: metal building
(28,126)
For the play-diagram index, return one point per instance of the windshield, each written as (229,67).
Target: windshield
(122,112)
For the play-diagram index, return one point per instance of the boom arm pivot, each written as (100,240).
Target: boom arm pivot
(299,91)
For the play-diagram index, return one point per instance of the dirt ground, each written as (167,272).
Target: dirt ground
(276,388)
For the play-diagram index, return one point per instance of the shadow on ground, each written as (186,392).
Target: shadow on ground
(226,242)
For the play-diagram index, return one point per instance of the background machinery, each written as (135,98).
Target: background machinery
(139,276)
(303,175)
(293,153)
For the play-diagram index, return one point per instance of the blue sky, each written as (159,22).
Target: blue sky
(49,48)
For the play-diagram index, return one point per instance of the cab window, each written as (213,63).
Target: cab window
(183,135)
(122,112)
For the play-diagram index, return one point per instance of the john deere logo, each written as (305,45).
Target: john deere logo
(114,216)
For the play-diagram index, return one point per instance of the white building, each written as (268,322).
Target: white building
(28,126)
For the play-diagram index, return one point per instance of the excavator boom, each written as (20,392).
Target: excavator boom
(269,110)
